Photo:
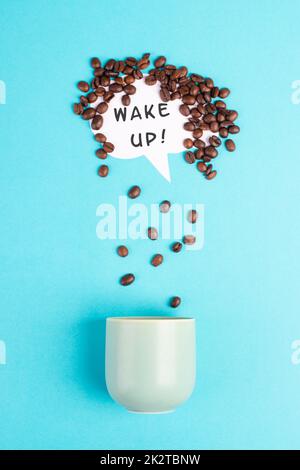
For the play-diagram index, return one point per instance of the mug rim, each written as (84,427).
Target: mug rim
(150,318)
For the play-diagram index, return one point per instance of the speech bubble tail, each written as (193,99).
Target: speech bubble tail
(161,162)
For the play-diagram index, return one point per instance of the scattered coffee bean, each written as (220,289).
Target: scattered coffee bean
(192,216)
(83,86)
(134,192)
(127,279)
(215,141)
(101,154)
(102,108)
(130,89)
(188,143)
(176,247)
(184,109)
(78,108)
(164,206)
(189,239)
(108,147)
(150,80)
(175,302)
(97,123)
(224,92)
(211,175)
(201,167)
(100,138)
(88,114)
(157,260)
(92,97)
(95,63)
(233,129)
(122,251)
(152,233)
(103,171)
(189,157)
(126,100)
(160,61)
(230,145)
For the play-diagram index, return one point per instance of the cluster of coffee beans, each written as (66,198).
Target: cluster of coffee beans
(202,103)
(152,233)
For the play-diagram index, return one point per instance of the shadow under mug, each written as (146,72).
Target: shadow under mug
(150,362)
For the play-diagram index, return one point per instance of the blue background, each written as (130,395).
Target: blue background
(58,281)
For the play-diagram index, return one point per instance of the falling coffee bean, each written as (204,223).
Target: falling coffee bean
(103,171)
(175,302)
(152,233)
(164,206)
(189,239)
(176,247)
(127,279)
(192,216)
(157,260)
(122,251)
(134,192)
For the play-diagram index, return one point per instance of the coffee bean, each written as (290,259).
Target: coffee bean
(92,97)
(102,108)
(188,143)
(184,109)
(78,108)
(176,247)
(100,138)
(164,206)
(211,175)
(108,147)
(214,92)
(83,86)
(97,123)
(126,100)
(110,64)
(95,63)
(230,145)
(103,171)
(233,129)
(199,154)
(115,88)
(130,89)
(131,61)
(232,115)
(215,141)
(108,96)
(129,79)
(223,132)
(224,92)
(152,233)
(188,99)
(208,118)
(175,96)
(127,279)
(84,101)
(201,167)
(160,61)
(211,151)
(192,216)
(150,80)
(88,114)
(214,126)
(100,91)
(189,239)
(175,302)
(197,133)
(134,192)
(101,154)
(122,251)
(209,83)
(98,72)
(157,260)
(219,104)
(199,144)
(164,94)
(189,157)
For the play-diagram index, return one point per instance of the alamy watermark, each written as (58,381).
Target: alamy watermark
(295,356)
(2,92)
(2,353)
(124,221)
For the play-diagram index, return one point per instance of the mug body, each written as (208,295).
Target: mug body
(150,362)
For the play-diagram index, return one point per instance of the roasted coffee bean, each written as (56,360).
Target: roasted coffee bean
(214,126)
(211,175)
(143,64)
(199,144)
(232,115)
(100,91)
(189,157)
(129,79)
(83,86)
(108,96)
(226,123)
(92,97)
(101,154)
(164,94)
(103,171)
(100,138)
(215,141)
(189,239)
(115,88)
(164,206)
(211,151)
(189,126)
(88,114)
(160,61)
(224,92)
(175,96)
(214,92)
(188,99)
(130,89)
(208,169)
(206,159)
(219,104)
(78,108)
(95,63)
(195,77)
(98,72)
(108,147)
(134,192)
(197,133)
(209,118)
(203,125)
(199,154)
(102,108)
(122,251)
(233,129)
(137,74)
(157,260)
(131,61)
(150,80)
(223,132)
(128,70)
(207,97)
(193,215)
(152,233)
(127,279)
(110,64)
(220,117)
(188,143)
(184,109)
(95,83)
(201,167)
(84,101)
(230,145)
(176,247)
(105,81)
(209,83)
(184,90)
(97,122)
(195,113)
(175,301)
(125,100)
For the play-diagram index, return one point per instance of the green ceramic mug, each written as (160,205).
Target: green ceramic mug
(150,362)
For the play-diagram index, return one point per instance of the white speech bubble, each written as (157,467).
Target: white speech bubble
(148,121)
